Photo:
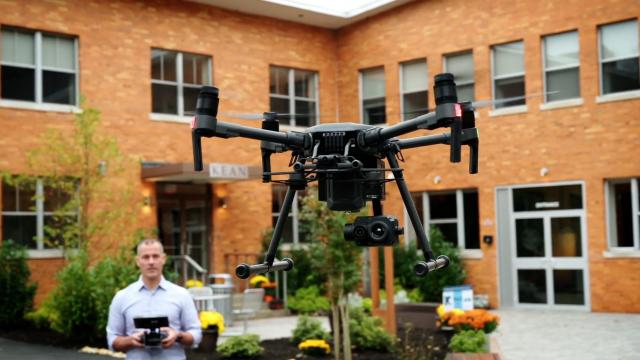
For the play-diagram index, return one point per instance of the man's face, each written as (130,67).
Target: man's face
(150,260)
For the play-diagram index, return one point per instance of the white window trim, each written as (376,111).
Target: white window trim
(462,83)
(291,96)
(403,116)
(39,104)
(622,251)
(618,96)
(180,85)
(546,69)
(601,62)
(362,98)
(497,111)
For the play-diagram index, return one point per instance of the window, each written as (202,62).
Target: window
(623,205)
(414,85)
(39,67)
(292,232)
(454,213)
(295,93)
(619,57)
(508,74)
(561,64)
(28,210)
(461,66)
(372,89)
(176,79)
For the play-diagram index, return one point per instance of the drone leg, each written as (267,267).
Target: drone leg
(243,271)
(431,263)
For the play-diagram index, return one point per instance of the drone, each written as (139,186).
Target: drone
(347,162)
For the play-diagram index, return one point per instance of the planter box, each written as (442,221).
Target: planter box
(420,315)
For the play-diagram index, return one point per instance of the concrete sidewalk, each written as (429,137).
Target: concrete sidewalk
(12,350)
(567,335)
(268,329)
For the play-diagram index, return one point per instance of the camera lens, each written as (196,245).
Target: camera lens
(378,230)
(360,232)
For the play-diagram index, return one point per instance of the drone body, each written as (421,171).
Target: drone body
(347,161)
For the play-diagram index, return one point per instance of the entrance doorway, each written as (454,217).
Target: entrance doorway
(184,219)
(543,250)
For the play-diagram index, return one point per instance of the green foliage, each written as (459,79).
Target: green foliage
(241,346)
(468,341)
(367,332)
(421,346)
(308,301)
(430,287)
(16,293)
(308,328)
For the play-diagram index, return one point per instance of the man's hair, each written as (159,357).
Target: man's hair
(149,242)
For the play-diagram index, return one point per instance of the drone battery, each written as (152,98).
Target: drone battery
(344,195)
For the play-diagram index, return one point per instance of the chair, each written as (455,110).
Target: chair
(203,298)
(251,303)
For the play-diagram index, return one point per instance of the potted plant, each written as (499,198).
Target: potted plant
(212,324)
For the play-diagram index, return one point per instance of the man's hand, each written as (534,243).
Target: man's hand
(126,343)
(172,335)
(136,340)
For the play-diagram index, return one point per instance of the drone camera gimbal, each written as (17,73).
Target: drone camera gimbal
(347,161)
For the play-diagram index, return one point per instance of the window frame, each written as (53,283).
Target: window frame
(294,214)
(611,215)
(179,83)
(403,116)
(509,76)
(291,96)
(462,83)
(601,62)
(361,73)
(39,68)
(546,70)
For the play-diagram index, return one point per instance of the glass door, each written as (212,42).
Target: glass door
(549,257)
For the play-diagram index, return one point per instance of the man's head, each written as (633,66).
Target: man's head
(150,258)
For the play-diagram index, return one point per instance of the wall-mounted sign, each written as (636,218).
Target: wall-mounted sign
(547,204)
(228,171)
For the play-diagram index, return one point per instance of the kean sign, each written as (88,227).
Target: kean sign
(457,297)
(228,171)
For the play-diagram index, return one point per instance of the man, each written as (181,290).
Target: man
(152,295)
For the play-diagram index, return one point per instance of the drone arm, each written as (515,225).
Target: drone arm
(227,130)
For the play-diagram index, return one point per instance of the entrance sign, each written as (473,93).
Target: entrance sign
(457,297)
(228,171)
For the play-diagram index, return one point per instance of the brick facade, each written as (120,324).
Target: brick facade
(574,143)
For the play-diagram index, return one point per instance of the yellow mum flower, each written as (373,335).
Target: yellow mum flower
(212,318)
(193,283)
(257,280)
(315,344)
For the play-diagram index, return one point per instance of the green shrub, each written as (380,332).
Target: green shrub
(468,341)
(16,293)
(241,346)
(367,331)
(309,328)
(308,301)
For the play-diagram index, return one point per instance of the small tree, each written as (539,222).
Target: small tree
(16,293)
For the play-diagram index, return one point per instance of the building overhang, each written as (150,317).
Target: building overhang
(212,173)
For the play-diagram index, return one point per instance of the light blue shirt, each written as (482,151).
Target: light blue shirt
(168,299)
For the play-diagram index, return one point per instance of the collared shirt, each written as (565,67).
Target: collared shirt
(167,299)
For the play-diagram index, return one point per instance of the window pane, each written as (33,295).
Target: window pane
(373,83)
(566,236)
(18,83)
(471,221)
(57,51)
(156,64)
(278,193)
(414,76)
(287,232)
(9,197)
(304,83)
(568,287)
(26,198)
(624,218)
(461,66)
(278,80)
(529,238)
(532,286)
(466,93)
(164,99)
(18,47)
(305,113)
(374,111)
(442,206)
(55,227)
(621,75)
(619,40)
(449,232)
(561,50)
(281,106)
(21,229)
(189,97)
(508,59)
(195,69)
(167,61)
(508,88)
(58,87)
(548,197)
(415,104)
(563,84)
(54,199)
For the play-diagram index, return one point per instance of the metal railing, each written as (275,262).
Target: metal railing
(188,268)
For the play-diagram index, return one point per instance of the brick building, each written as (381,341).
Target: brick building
(551,221)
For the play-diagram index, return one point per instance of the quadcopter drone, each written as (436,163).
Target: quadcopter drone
(347,161)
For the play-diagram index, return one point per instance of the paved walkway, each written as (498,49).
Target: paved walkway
(13,350)
(567,335)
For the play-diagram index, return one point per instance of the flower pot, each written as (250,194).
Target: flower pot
(209,341)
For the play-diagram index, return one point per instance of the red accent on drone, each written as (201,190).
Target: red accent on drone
(458,110)
(193,122)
